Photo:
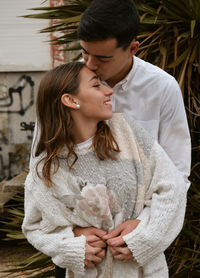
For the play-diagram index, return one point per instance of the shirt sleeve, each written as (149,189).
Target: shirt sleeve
(54,238)
(174,134)
(166,198)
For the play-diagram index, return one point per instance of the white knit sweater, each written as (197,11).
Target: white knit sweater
(104,194)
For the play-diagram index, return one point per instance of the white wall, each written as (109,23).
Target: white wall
(22,47)
(24,58)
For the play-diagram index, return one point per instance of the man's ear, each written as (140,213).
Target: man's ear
(134,45)
(69,101)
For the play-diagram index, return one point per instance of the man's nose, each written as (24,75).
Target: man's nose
(91,62)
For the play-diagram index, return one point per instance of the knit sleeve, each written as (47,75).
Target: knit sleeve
(166,198)
(49,231)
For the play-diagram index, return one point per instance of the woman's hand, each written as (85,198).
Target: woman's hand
(122,253)
(93,255)
(115,238)
(116,243)
(98,239)
(91,231)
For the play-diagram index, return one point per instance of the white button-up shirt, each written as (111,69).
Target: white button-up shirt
(154,99)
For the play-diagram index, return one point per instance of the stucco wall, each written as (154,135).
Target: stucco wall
(25,55)
(17,116)
(19,80)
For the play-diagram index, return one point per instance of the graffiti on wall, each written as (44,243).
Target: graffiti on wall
(29,128)
(14,100)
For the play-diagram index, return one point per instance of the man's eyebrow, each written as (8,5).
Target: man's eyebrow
(99,56)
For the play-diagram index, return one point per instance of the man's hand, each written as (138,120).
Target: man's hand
(95,246)
(93,255)
(114,238)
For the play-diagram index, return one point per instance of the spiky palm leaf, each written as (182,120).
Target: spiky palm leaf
(170,34)
(67,18)
(10,227)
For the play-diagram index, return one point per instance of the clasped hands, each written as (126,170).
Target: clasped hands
(97,240)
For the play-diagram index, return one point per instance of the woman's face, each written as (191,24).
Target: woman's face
(93,97)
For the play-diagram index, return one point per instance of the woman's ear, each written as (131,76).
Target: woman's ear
(69,101)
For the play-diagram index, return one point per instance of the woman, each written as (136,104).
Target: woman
(90,173)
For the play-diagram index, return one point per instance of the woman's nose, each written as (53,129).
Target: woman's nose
(108,91)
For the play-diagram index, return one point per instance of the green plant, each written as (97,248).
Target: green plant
(10,227)
(170,38)
(67,18)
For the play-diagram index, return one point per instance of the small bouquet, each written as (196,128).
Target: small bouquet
(90,205)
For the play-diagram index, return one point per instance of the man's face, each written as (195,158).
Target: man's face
(109,62)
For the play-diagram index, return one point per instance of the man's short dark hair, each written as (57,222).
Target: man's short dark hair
(104,19)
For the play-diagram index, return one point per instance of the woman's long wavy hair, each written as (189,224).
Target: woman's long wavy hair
(56,123)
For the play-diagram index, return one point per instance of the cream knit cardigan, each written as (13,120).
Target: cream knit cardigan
(51,213)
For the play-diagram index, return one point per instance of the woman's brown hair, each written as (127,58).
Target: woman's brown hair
(56,123)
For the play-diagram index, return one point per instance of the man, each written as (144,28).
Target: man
(107,33)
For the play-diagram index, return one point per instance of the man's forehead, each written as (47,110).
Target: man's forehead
(102,48)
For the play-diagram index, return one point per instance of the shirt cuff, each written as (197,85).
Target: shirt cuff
(145,212)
